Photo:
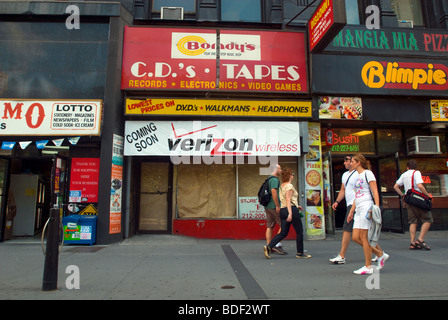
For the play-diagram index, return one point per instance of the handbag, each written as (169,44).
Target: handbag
(417,199)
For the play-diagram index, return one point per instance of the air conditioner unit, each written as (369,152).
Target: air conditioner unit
(406,24)
(172,13)
(423,145)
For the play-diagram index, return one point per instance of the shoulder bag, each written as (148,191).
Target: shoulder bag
(417,199)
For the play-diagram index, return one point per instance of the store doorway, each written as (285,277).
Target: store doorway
(388,167)
(336,172)
(155,197)
(31,185)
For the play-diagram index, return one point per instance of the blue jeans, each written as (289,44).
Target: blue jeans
(297,225)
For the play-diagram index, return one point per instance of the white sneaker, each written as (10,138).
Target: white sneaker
(381,260)
(364,270)
(338,260)
(375,258)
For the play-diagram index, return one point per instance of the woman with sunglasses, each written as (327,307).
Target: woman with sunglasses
(289,214)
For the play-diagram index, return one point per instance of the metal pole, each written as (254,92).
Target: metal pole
(50,281)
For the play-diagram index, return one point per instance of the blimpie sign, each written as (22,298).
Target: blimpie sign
(379,75)
(211,138)
(50,117)
(186,59)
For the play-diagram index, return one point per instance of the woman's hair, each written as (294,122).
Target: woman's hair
(363,161)
(286,174)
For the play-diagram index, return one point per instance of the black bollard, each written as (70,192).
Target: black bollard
(50,281)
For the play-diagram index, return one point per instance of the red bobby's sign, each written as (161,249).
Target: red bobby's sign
(186,59)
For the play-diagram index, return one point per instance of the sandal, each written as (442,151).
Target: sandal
(414,246)
(423,244)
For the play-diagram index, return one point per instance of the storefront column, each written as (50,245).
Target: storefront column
(113,125)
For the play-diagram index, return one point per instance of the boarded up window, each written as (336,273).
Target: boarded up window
(206,191)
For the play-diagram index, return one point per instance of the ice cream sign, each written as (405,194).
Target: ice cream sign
(182,59)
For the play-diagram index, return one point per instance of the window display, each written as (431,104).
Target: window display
(223,191)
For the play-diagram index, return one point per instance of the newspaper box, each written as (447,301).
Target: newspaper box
(79,229)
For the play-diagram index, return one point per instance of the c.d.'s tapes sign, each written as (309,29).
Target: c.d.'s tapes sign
(186,59)
(50,117)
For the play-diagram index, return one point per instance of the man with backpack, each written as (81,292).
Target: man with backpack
(273,207)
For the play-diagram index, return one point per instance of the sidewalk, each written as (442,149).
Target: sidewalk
(171,267)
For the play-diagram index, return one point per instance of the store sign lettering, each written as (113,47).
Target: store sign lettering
(416,41)
(200,138)
(175,59)
(345,143)
(396,75)
(46,117)
(375,40)
(34,115)
(204,46)
(436,42)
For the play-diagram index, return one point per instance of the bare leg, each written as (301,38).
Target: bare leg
(423,231)
(345,243)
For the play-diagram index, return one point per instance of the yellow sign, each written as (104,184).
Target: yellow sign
(439,110)
(90,210)
(189,107)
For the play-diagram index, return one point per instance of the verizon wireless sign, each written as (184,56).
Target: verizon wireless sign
(211,138)
(50,117)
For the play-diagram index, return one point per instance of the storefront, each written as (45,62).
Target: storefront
(383,93)
(198,138)
(61,126)
(38,136)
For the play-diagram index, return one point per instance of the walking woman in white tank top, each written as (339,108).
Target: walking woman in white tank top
(365,189)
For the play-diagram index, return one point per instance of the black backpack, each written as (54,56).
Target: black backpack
(264,194)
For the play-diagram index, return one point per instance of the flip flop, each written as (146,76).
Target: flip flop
(423,244)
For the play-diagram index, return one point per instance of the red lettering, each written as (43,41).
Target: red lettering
(426,41)
(17,110)
(30,114)
(439,42)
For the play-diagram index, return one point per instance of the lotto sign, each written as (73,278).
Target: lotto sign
(50,117)
(186,59)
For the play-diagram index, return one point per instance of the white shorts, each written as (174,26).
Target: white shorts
(361,222)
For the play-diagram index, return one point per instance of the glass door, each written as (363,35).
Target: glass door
(389,172)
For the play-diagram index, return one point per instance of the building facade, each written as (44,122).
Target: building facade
(199,97)
(61,109)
